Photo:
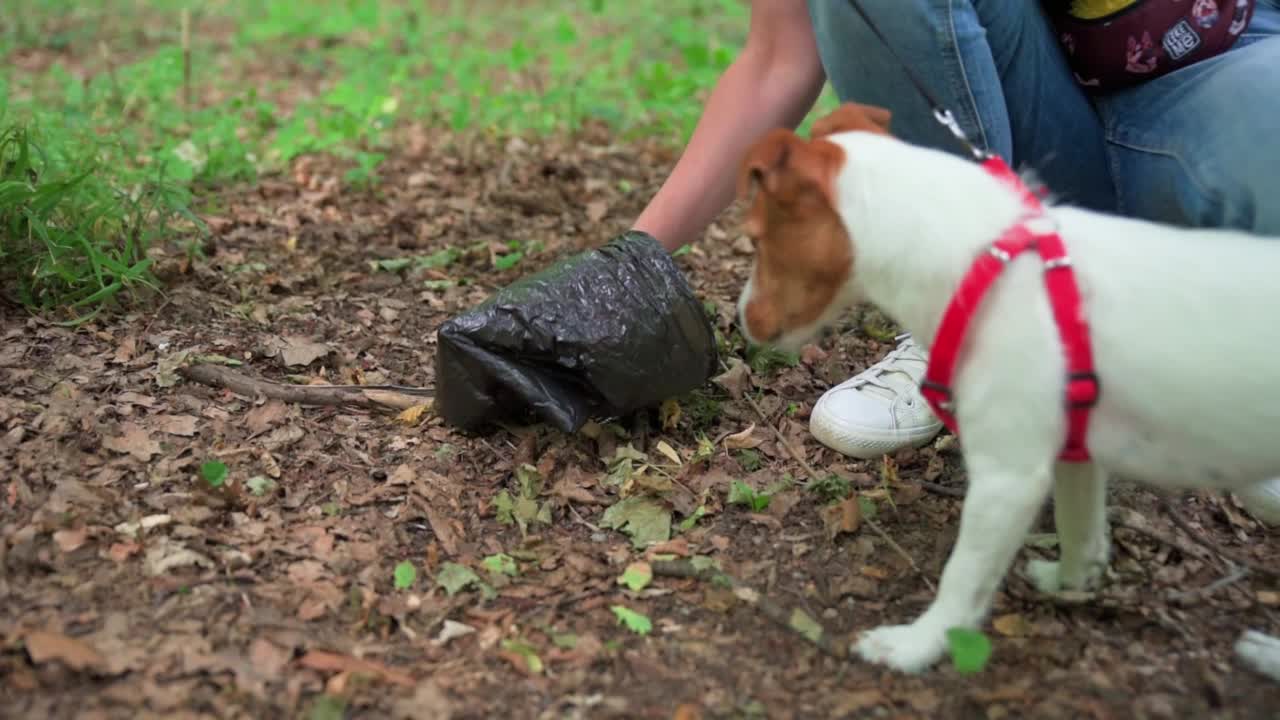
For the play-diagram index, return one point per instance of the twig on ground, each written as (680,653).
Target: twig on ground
(1131,520)
(1211,546)
(815,634)
(1201,593)
(814,477)
(382,398)
(937,489)
(786,444)
(898,549)
(583,521)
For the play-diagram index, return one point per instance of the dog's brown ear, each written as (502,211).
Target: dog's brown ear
(790,170)
(764,160)
(852,116)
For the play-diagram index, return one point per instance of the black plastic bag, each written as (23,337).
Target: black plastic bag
(601,334)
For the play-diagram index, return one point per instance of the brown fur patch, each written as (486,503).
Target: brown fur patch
(852,116)
(803,254)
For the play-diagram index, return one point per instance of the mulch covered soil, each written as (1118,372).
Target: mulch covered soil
(133,588)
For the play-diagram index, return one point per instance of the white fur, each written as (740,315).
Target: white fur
(1186,344)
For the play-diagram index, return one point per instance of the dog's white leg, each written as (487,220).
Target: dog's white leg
(1263,500)
(1080,515)
(1260,652)
(1001,503)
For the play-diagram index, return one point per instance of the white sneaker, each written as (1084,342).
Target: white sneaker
(880,410)
(1263,501)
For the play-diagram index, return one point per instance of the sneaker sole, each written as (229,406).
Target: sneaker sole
(865,444)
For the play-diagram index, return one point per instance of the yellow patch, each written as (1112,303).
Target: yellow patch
(1090,9)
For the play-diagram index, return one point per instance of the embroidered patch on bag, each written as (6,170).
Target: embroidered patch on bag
(1180,40)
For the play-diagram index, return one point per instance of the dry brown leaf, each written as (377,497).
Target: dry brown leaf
(669,413)
(874,571)
(924,701)
(265,416)
(119,552)
(678,546)
(164,555)
(298,351)
(905,493)
(767,520)
(1269,597)
(268,658)
(181,425)
(1012,625)
(572,485)
(440,526)
(781,503)
(736,380)
(134,441)
(413,415)
(744,439)
(811,354)
(687,711)
(312,609)
(596,210)
(44,646)
(136,399)
(850,703)
(668,452)
(127,349)
(305,572)
(333,662)
(428,702)
(842,517)
(70,540)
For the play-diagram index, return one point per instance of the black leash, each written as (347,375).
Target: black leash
(940,113)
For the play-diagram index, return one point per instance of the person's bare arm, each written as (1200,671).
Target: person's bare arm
(773,82)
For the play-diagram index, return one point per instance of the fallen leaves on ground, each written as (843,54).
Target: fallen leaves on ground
(132,587)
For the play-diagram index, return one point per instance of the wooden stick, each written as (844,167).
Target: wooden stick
(382,398)
(943,490)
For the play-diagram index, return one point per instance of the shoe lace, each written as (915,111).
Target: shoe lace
(871,376)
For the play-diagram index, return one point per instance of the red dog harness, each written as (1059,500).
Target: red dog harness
(1082,387)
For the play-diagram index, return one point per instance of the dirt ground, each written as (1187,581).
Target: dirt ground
(131,589)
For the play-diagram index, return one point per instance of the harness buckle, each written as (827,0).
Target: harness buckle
(1083,390)
(937,393)
(1058,262)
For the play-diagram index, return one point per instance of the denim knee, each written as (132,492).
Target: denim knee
(1200,147)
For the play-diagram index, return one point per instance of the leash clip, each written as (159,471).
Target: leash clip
(948,120)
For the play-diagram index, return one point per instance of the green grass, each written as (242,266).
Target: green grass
(121,160)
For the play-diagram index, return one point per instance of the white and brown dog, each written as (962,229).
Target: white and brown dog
(1182,323)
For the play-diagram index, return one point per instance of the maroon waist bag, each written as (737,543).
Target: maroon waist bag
(1147,39)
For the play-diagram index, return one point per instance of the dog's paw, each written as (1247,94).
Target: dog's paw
(906,648)
(1045,575)
(1050,576)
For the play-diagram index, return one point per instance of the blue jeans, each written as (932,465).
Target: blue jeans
(1197,147)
